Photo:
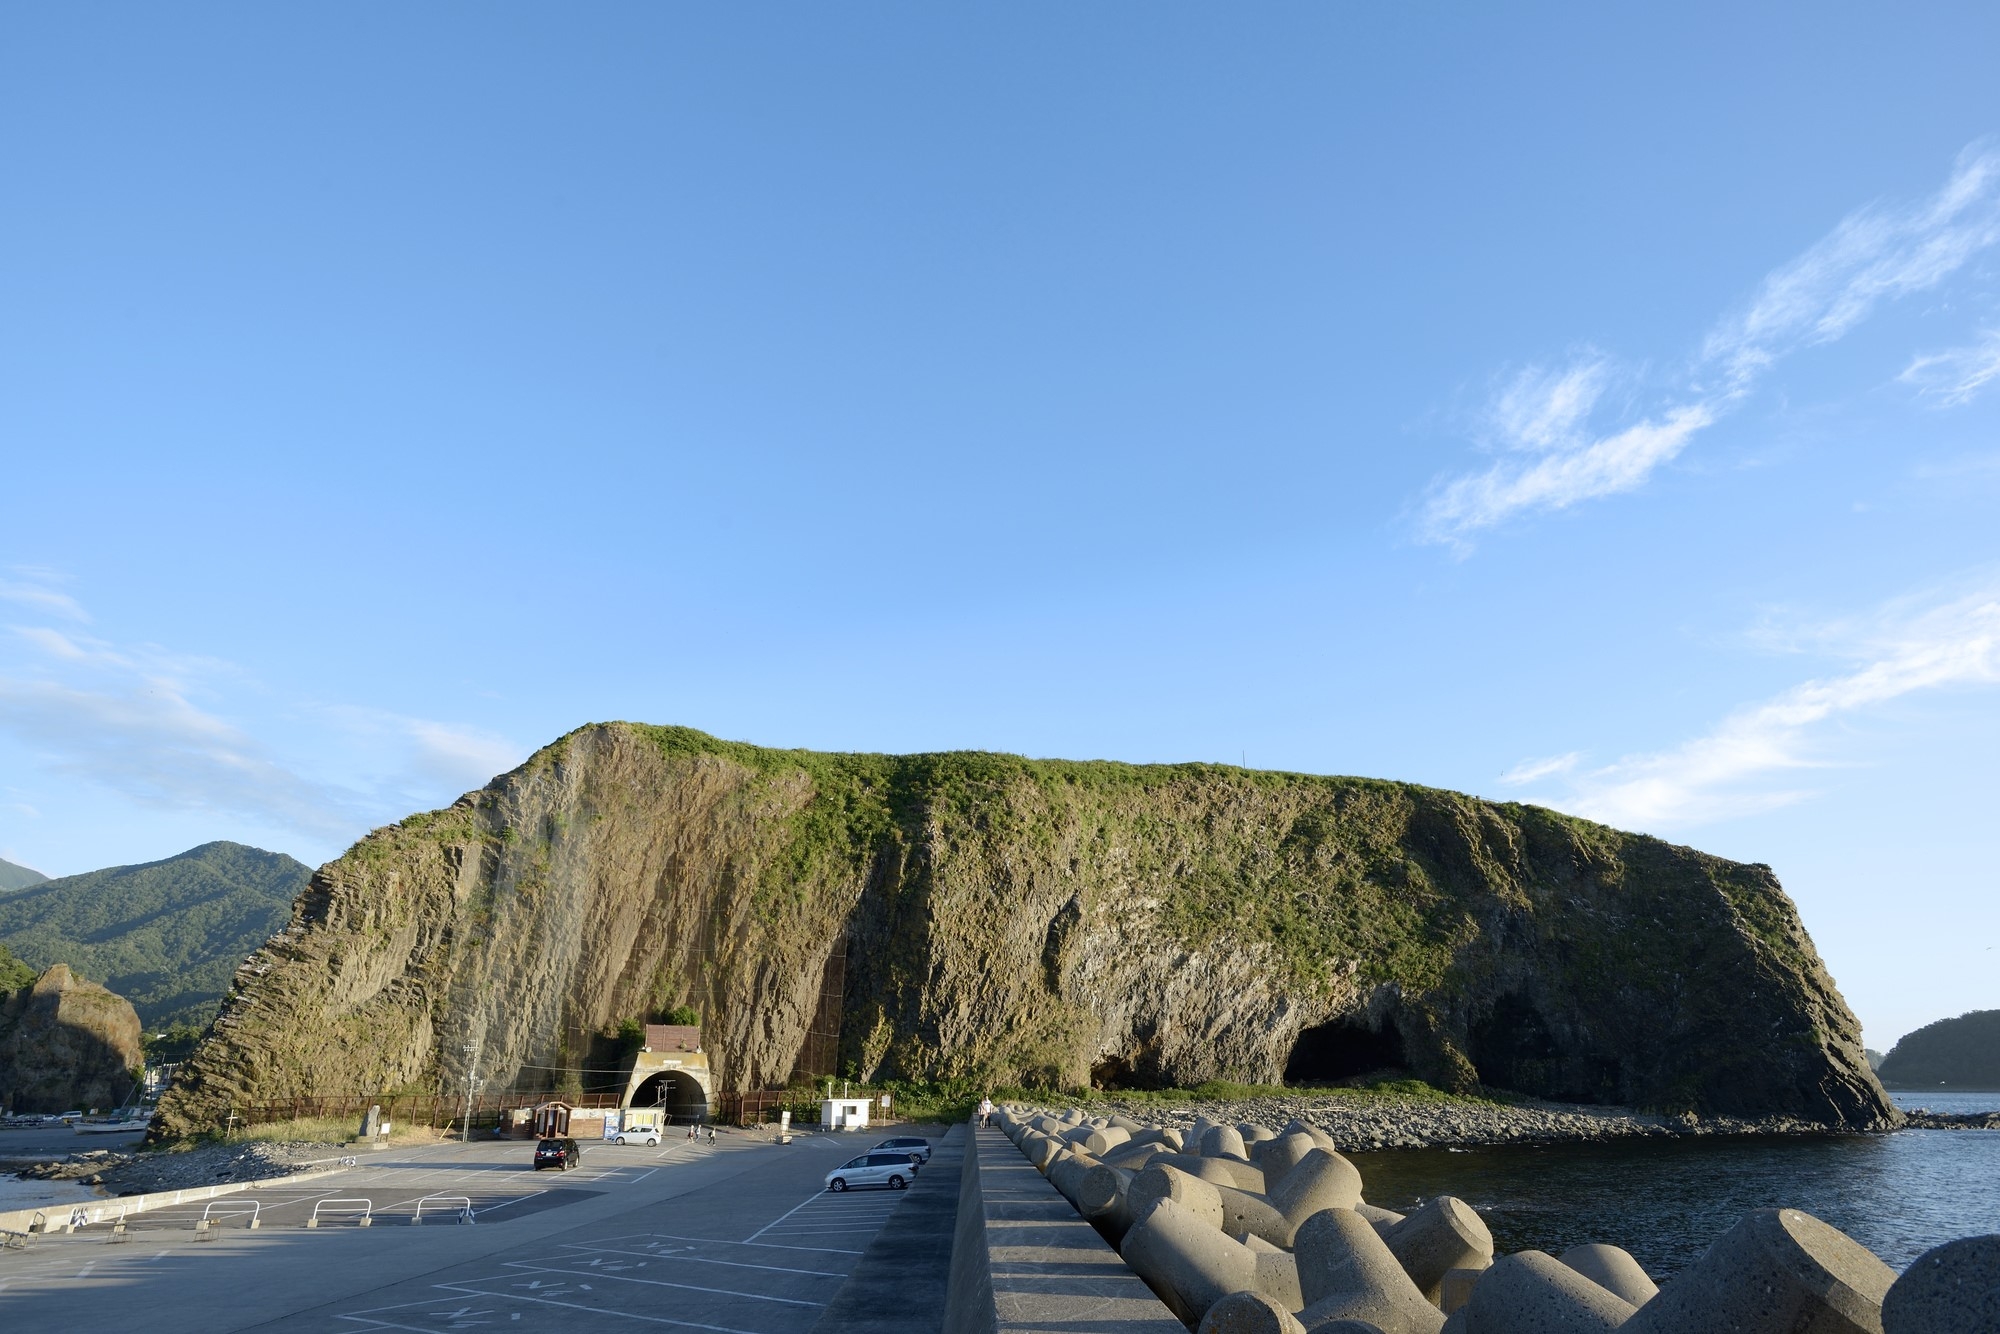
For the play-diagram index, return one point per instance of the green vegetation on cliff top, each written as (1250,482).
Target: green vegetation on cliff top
(166,935)
(13,973)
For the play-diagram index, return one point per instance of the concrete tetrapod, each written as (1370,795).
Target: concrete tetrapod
(1312,1132)
(1223,1142)
(1952,1288)
(1252,1133)
(1159,1182)
(1187,1263)
(1222,1171)
(1322,1180)
(1778,1271)
(1277,1272)
(1275,1157)
(1246,1213)
(1103,1200)
(1383,1219)
(1067,1171)
(1346,1272)
(1614,1270)
(1250,1313)
(1530,1292)
(1445,1234)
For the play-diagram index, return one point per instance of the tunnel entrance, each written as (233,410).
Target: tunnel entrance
(1342,1049)
(679,1095)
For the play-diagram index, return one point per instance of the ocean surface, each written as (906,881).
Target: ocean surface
(1666,1200)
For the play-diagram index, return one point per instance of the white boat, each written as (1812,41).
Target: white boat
(108,1127)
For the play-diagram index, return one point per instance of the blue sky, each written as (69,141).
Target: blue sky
(1589,405)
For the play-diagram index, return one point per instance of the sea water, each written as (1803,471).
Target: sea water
(1665,1200)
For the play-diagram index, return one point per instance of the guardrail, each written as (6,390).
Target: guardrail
(461,1205)
(341,1208)
(202,1231)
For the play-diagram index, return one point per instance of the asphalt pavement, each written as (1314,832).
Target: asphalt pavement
(739,1238)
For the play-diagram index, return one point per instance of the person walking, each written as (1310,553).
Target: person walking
(985,1112)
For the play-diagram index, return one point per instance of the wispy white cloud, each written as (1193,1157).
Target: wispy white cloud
(1530,771)
(1877,253)
(33,590)
(1954,377)
(1561,478)
(129,718)
(1749,761)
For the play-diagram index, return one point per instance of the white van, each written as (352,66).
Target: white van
(894,1170)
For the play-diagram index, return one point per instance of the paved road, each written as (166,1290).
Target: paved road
(739,1238)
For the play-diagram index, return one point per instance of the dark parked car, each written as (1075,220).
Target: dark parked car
(563,1153)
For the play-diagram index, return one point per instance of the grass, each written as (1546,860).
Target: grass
(952,1101)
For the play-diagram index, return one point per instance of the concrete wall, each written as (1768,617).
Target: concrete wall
(1024,1260)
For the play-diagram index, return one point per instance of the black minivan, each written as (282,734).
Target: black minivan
(563,1153)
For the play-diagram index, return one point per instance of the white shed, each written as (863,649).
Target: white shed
(844,1113)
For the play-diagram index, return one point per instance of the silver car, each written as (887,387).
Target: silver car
(894,1170)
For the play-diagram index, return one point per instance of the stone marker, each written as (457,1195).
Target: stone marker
(1778,1271)
(1949,1289)
(1612,1269)
(1530,1292)
(1445,1234)
(1322,1180)
(1250,1313)
(1185,1261)
(1346,1272)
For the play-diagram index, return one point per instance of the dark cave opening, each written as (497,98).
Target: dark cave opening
(1341,1049)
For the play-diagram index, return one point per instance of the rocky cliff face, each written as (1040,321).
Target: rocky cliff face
(66,1043)
(1011,919)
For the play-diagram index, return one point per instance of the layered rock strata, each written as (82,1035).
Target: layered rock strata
(67,1044)
(1020,920)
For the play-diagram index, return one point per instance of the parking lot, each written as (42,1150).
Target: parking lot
(735,1237)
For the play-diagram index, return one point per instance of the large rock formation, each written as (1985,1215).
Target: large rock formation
(1010,919)
(67,1044)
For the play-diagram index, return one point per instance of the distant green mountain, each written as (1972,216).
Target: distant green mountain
(18,877)
(1953,1053)
(167,935)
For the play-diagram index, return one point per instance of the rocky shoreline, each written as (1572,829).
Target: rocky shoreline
(117,1173)
(1419,1123)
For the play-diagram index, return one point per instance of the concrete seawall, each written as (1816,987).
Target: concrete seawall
(1022,1259)
(62,1217)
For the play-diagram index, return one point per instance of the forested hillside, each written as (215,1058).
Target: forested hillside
(1955,1053)
(166,935)
(18,877)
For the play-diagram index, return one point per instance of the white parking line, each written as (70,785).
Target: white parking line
(577,1306)
(602,1274)
(762,1245)
(680,1256)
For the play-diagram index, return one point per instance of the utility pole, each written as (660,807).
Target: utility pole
(471,1049)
